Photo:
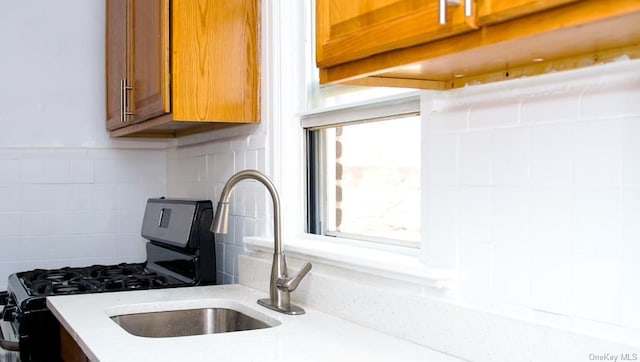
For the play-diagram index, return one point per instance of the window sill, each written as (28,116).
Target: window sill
(391,265)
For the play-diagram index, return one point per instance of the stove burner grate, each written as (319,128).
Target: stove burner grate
(96,278)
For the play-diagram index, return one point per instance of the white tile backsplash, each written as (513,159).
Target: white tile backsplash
(474,277)
(200,170)
(597,153)
(611,100)
(510,219)
(597,221)
(11,248)
(11,171)
(631,224)
(474,159)
(630,293)
(550,108)
(441,226)
(9,224)
(10,196)
(33,223)
(550,152)
(551,282)
(441,151)
(512,276)
(107,171)
(510,166)
(81,171)
(33,248)
(631,151)
(72,206)
(596,288)
(475,214)
(444,120)
(551,218)
(547,212)
(81,196)
(489,116)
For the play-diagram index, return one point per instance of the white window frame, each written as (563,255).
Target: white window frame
(391,107)
(284,97)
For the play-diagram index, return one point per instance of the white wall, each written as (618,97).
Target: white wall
(52,73)
(69,195)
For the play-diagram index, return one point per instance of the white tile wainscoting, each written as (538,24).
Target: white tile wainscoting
(74,206)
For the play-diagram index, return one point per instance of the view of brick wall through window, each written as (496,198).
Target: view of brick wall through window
(338,178)
(377,179)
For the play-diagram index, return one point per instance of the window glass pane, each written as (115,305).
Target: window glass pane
(372,180)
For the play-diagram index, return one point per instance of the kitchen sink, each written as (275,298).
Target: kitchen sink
(188,322)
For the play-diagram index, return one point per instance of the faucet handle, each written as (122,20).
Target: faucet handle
(290,284)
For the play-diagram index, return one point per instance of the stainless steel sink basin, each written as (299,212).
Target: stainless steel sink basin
(188,322)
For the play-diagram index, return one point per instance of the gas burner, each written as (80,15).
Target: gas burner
(116,271)
(59,275)
(135,282)
(77,285)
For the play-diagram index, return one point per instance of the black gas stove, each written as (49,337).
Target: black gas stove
(180,252)
(96,278)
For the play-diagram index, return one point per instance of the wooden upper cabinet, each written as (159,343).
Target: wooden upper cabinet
(350,30)
(493,11)
(179,67)
(402,43)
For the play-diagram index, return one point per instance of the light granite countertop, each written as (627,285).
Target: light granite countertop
(314,336)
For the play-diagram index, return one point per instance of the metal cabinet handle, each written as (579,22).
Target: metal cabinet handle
(443,9)
(124,101)
(443,12)
(122,95)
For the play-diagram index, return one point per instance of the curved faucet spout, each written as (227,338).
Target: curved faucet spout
(221,219)
(280,285)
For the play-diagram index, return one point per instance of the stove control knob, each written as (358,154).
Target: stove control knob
(9,313)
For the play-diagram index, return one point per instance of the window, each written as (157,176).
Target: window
(364,172)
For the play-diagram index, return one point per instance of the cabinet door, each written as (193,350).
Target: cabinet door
(350,30)
(116,59)
(148,58)
(215,60)
(493,11)
(138,59)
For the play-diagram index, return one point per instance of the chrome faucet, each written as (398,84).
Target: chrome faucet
(280,285)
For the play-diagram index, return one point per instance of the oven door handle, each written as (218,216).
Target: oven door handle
(5,343)
(9,345)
